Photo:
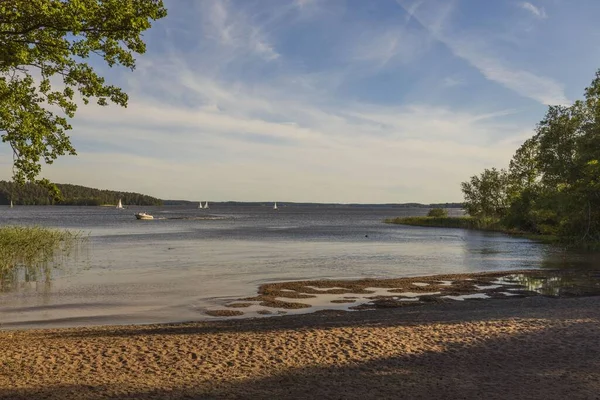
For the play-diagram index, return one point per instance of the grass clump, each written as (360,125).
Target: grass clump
(32,248)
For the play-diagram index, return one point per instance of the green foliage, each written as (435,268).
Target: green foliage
(43,48)
(437,212)
(552,186)
(33,194)
(486,195)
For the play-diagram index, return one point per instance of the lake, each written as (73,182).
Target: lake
(174,268)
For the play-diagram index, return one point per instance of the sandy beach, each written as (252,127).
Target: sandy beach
(517,348)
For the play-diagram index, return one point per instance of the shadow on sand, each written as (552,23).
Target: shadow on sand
(557,362)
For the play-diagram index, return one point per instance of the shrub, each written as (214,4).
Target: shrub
(437,213)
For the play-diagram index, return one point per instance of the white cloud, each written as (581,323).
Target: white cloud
(196,132)
(264,142)
(536,11)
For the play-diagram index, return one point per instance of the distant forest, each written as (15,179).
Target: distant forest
(73,195)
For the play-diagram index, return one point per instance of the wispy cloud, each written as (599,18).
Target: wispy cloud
(452,82)
(477,51)
(538,12)
(528,84)
(304,3)
(410,11)
(254,139)
(232,28)
(395,45)
(315,101)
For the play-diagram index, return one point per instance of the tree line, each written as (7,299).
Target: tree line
(33,194)
(552,183)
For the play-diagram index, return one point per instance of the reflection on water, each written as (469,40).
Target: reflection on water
(557,283)
(37,276)
(171,269)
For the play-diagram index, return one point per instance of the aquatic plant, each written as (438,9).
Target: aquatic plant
(31,250)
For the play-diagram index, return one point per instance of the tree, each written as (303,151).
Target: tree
(43,48)
(553,181)
(438,213)
(523,170)
(486,195)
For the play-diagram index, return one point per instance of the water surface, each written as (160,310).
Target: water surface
(174,268)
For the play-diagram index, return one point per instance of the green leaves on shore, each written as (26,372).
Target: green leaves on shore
(43,46)
(552,185)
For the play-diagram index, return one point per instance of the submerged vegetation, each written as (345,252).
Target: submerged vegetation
(552,184)
(31,251)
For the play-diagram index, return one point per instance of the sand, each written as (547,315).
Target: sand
(516,348)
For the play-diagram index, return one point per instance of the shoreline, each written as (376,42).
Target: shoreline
(469,223)
(301,297)
(531,347)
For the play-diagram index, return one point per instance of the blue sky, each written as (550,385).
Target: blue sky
(332,101)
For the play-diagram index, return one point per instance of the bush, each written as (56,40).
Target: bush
(437,213)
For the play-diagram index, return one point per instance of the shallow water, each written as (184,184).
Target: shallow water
(175,268)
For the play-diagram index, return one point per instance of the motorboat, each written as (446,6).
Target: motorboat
(143,215)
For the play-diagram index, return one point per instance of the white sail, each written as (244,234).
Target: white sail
(199,204)
(11,204)
(206,205)
(120,205)
(275,206)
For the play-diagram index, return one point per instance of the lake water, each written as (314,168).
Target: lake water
(174,268)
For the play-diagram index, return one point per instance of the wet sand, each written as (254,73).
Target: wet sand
(515,348)
(302,297)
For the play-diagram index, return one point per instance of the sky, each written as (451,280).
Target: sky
(348,101)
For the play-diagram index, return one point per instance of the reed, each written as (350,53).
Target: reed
(33,248)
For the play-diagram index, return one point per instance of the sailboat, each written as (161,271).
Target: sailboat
(199,204)
(206,205)
(120,205)
(11,204)
(275,206)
